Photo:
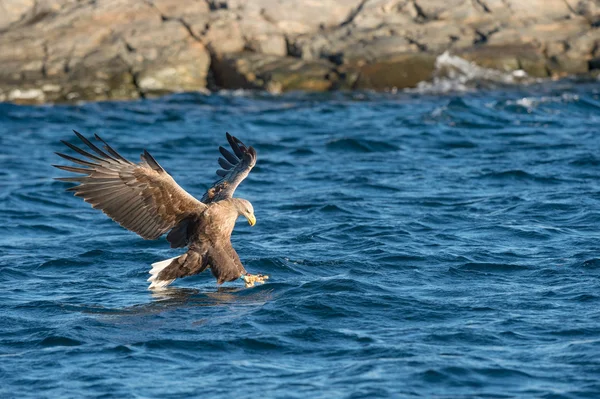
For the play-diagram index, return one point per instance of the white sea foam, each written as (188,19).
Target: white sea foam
(453,73)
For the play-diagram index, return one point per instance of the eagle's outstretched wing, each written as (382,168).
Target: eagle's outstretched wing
(142,197)
(235,166)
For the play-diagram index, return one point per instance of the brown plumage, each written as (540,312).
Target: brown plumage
(145,199)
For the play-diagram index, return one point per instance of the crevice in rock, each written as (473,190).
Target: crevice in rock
(453,39)
(130,70)
(45,60)
(217,5)
(484,7)
(338,82)
(420,46)
(421,16)
(182,21)
(212,74)
(594,50)
(336,59)
(150,4)
(573,11)
(211,80)
(189,29)
(353,13)
(548,59)
(135,82)
(519,64)
(292,50)
(67,64)
(128,46)
(483,37)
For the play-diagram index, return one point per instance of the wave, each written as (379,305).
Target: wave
(60,341)
(360,145)
(592,263)
(518,175)
(492,267)
(455,74)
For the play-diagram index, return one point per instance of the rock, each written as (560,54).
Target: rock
(503,58)
(297,17)
(223,34)
(102,52)
(397,71)
(185,69)
(539,10)
(561,66)
(588,9)
(14,11)
(64,50)
(272,73)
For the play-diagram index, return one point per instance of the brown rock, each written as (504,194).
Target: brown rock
(397,71)
(508,58)
(69,49)
(563,65)
(272,73)
(13,11)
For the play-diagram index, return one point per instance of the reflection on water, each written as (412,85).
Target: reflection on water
(173,298)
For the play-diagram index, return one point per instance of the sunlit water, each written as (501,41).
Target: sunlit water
(418,245)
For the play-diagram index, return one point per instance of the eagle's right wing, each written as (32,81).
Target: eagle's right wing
(142,197)
(235,168)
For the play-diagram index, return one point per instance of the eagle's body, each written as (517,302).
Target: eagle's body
(145,199)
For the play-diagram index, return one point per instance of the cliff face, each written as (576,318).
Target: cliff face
(57,50)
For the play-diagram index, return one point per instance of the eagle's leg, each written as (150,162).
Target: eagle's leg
(251,279)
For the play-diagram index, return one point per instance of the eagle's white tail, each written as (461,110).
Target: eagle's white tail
(155,283)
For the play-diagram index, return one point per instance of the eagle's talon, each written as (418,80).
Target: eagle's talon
(251,279)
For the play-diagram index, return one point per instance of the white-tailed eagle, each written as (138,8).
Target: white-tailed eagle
(145,199)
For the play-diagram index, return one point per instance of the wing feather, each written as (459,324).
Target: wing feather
(73,169)
(234,143)
(235,169)
(142,197)
(228,155)
(76,160)
(224,164)
(112,151)
(93,147)
(80,151)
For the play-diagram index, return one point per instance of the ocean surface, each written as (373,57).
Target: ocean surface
(419,244)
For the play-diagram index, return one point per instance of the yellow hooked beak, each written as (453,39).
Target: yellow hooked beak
(251,220)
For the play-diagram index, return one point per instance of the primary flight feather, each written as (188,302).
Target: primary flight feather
(145,199)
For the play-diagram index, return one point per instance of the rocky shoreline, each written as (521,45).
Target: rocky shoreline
(70,50)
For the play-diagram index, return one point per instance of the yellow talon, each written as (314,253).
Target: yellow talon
(251,279)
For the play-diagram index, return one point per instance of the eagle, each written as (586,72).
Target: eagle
(145,199)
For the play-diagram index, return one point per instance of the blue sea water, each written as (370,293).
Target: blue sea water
(419,246)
